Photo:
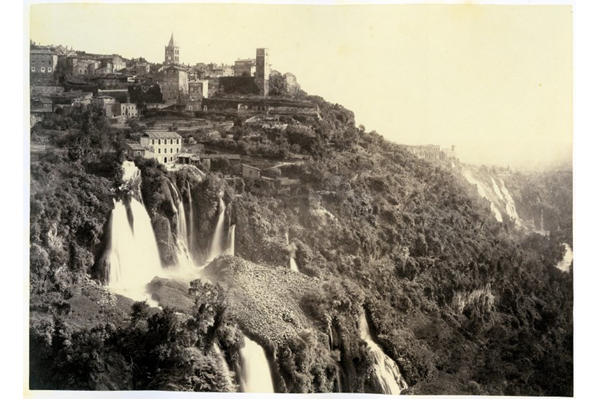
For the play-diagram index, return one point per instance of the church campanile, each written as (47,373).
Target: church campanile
(172,52)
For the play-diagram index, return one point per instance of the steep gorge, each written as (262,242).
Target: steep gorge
(384,268)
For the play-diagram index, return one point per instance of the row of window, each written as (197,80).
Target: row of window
(43,69)
(165,141)
(49,62)
(176,151)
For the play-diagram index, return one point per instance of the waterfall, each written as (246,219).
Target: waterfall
(565,263)
(216,245)
(224,367)
(337,387)
(131,173)
(385,369)
(134,258)
(292,250)
(182,234)
(191,231)
(231,247)
(181,223)
(497,189)
(293,265)
(511,208)
(483,192)
(184,259)
(255,372)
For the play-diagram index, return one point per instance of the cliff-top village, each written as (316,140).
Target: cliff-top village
(176,95)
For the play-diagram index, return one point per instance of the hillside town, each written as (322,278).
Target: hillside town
(185,114)
(178,109)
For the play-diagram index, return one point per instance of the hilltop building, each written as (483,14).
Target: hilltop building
(174,84)
(129,110)
(43,63)
(162,145)
(198,89)
(245,67)
(108,104)
(432,152)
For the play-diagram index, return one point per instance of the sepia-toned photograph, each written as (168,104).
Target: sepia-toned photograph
(299,198)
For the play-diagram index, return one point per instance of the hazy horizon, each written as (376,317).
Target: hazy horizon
(496,81)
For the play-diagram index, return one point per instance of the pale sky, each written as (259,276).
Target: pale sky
(496,81)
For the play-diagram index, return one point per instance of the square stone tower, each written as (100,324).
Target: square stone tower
(263,71)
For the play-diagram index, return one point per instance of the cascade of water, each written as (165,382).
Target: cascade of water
(133,255)
(181,224)
(216,245)
(511,208)
(483,192)
(293,265)
(386,370)
(174,195)
(184,259)
(565,263)
(337,387)
(191,229)
(224,366)
(134,258)
(231,247)
(497,189)
(255,372)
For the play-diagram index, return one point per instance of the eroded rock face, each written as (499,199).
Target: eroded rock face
(480,299)
(256,239)
(164,240)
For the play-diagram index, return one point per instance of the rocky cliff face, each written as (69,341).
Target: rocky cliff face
(478,300)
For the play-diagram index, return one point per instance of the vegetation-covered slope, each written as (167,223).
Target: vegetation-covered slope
(462,303)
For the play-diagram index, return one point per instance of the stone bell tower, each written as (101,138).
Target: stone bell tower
(172,52)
